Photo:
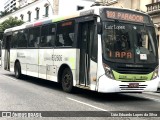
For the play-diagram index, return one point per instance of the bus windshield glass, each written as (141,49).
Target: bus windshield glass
(129,43)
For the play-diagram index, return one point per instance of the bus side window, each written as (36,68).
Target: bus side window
(34,37)
(44,33)
(59,40)
(14,42)
(51,35)
(22,38)
(47,36)
(65,33)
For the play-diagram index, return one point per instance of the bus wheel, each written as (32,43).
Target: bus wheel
(67,80)
(17,70)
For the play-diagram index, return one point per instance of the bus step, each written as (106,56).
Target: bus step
(83,86)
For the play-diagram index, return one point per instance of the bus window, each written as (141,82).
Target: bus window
(22,38)
(34,37)
(47,36)
(65,34)
(0,48)
(14,40)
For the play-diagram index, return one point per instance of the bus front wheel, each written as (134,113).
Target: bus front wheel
(67,80)
(17,70)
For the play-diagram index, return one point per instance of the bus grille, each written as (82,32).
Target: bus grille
(133,70)
(125,87)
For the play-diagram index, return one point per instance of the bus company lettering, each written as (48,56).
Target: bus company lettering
(20,55)
(125,16)
(57,57)
(118,54)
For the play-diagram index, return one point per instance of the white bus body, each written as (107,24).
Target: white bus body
(50,63)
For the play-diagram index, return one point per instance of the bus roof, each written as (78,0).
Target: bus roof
(56,18)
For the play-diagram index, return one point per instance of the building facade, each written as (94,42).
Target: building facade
(131,4)
(22,3)
(38,9)
(153,9)
(41,9)
(69,6)
(10,5)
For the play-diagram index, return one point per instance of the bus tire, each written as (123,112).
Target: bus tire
(17,70)
(67,80)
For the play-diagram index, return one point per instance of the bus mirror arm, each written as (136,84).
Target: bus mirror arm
(99,28)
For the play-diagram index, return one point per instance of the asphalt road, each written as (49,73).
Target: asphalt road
(33,94)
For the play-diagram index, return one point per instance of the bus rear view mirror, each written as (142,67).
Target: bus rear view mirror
(99,28)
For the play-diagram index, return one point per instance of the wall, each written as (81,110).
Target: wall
(31,7)
(132,4)
(65,7)
(69,6)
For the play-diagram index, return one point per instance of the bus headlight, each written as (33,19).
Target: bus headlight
(108,71)
(155,73)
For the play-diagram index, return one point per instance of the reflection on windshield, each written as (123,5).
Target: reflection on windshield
(128,43)
(145,43)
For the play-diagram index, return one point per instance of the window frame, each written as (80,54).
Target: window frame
(29,37)
(29,16)
(37,13)
(74,31)
(46,47)
(47,11)
(26,38)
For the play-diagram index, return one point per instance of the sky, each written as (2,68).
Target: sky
(2,5)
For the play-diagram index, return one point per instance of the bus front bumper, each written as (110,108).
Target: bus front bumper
(107,85)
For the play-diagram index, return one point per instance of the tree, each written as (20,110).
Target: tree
(4,13)
(10,22)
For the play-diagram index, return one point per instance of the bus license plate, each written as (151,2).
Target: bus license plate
(133,85)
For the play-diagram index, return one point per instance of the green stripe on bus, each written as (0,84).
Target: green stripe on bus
(72,62)
(58,19)
(132,77)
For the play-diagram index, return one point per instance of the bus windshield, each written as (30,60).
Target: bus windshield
(129,43)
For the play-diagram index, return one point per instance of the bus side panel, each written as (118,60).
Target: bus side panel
(46,68)
(13,57)
(159,72)
(32,62)
(22,57)
(77,66)
(93,75)
(68,57)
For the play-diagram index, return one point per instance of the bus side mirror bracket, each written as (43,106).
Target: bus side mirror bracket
(99,28)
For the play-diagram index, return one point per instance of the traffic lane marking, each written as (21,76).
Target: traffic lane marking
(101,109)
(157,100)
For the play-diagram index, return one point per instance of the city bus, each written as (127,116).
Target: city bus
(103,49)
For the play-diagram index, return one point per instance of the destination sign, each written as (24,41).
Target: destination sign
(126,16)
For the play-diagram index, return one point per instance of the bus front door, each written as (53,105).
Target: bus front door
(85,39)
(7,52)
(0,53)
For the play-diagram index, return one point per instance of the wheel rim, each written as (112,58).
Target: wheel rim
(67,80)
